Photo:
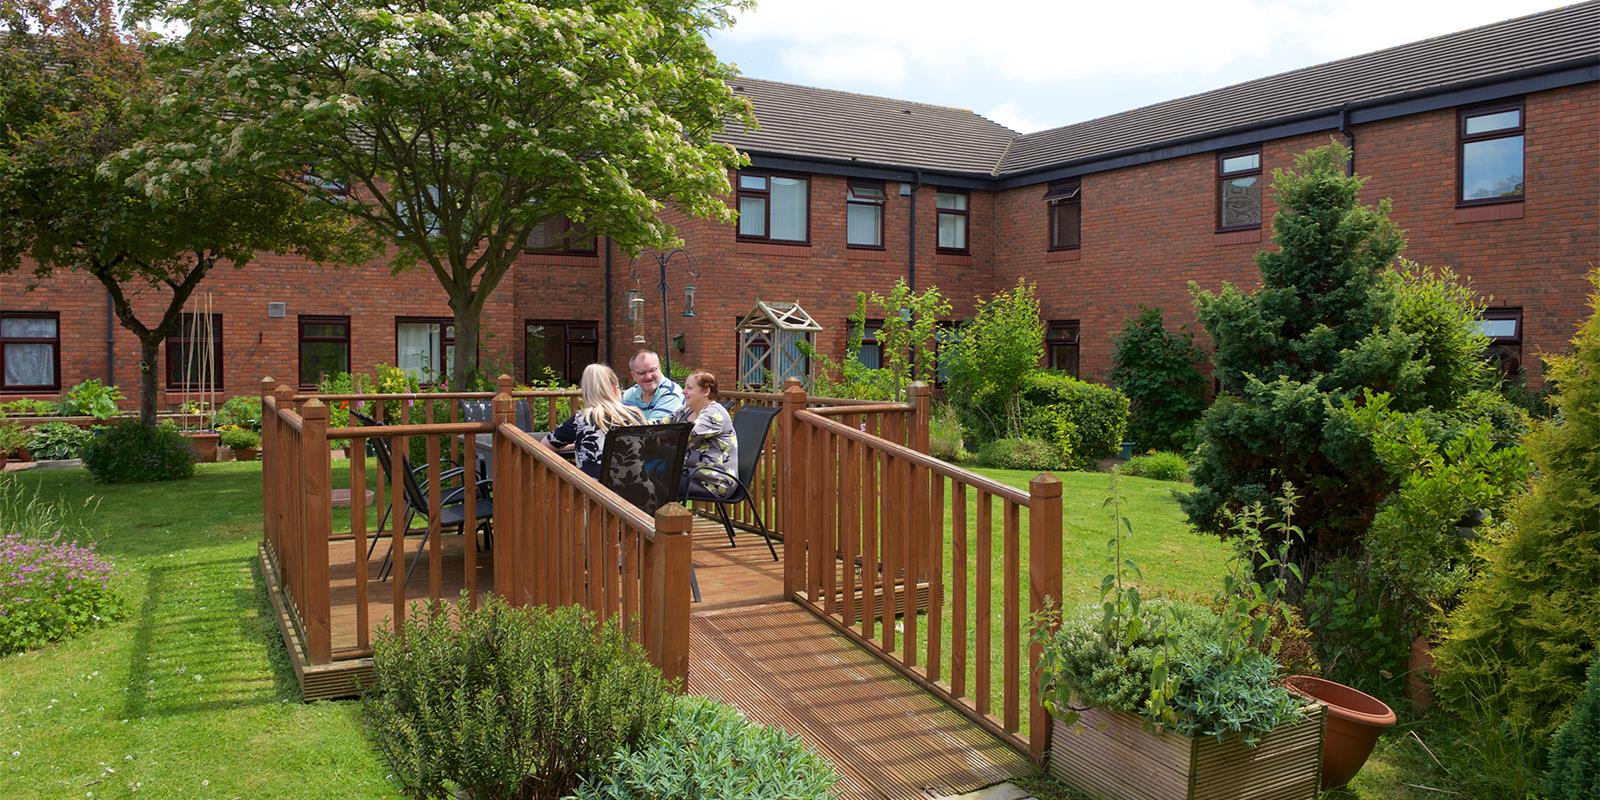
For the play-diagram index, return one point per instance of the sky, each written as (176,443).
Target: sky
(1033,65)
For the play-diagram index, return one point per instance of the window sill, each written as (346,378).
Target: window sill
(866,254)
(1065,254)
(1224,238)
(766,249)
(953,259)
(563,259)
(1488,211)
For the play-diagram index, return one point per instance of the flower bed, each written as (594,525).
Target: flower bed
(51,590)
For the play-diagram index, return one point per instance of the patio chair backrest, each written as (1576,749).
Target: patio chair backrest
(750,427)
(477,410)
(524,415)
(365,420)
(414,497)
(644,463)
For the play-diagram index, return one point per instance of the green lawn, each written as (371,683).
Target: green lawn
(191,695)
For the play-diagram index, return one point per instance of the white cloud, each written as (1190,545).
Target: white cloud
(863,63)
(1009,115)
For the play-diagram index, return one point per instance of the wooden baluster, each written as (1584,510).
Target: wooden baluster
(630,581)
(849,523)
(912,529)
(469,519)
(792,472)
(889,549)
(1013,644)
(934,511)
(958,589)
(816,559)
(610,564)
(983,691)
(398,446)
(316,609)
(830,523)
(870,500)
(358,526)
(1044,583)
(435,545)
(594,536)
(381,496)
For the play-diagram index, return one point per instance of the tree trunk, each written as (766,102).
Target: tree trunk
(149,373)
(468,317)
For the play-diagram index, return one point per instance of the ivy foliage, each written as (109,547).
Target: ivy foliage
(1528,626)
(1156,369)
(1331,320)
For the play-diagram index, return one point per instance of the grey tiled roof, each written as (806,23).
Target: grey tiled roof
(807,122)
(1538,40)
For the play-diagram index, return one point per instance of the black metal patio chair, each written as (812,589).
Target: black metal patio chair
(750,426)
(418,474)
(644,465)
(452,507)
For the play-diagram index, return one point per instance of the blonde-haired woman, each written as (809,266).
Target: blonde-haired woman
(602,410)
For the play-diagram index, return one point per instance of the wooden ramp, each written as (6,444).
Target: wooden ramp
(887,737)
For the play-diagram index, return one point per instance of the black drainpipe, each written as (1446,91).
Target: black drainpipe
(608,300)
(911,269)
(111,340)
(1349,139)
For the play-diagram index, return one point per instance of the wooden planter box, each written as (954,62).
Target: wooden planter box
(1110,754)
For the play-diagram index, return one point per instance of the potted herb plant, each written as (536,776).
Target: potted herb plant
(245,444)
(1165,699)
(13,440)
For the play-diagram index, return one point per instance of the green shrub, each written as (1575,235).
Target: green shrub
(989,359)
(1083,421)
(508,702)
(1159,466)
(1029,454)
(50,589)
(1574,772)
(1360,640)
(58,440)
(13,437)
(945,435)
(91,399)
(1156,369)
(132,453)
(1521,641)
(29,407)
(244,412)
(711,750)
(240,439)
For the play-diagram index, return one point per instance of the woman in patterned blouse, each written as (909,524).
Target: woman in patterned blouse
(713,455)
(602,411)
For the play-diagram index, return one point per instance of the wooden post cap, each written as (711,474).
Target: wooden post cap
(1045,485)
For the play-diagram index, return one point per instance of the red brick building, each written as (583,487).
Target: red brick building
(1488,142)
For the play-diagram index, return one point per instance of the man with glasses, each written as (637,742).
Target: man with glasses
(653,394)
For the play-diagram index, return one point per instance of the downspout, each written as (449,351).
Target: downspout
(111,340)
(608,300)
(1349,139)
(911,268)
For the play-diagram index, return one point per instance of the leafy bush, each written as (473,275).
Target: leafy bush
(945,435)
(129,452)
(1156,369)
(28,407)
(1360,640)
(244,412)
(906,346)
(1574,772)
(1002,344)
(91,399)
(58,440)
(51,590)
(1528,625)
(1029,454)
(1330,319)
(1159,466)
(240,439)
(13,437)
(711,750)
(508,702)
(1083,421)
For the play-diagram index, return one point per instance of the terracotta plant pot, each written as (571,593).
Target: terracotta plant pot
(204,445)
(245,453)
(1420,672)
(1355,719)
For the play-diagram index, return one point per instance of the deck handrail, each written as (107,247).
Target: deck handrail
(361,396)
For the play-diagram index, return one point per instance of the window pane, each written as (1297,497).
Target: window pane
(30,365)
(1491,169)
(321,358)
(540,237)
(753,182)
(28,328)
(324,330)
(952,231)
(546,348)
(1064,221)
(1500,120)
(1241,201)
(1498,328)
(789,209)
(752,216)
(870,355)
(866,193)
(952,201)
(1241,163)
(416,345)
(864,224)
(1064,357)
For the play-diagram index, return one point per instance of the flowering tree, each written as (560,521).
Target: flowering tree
(452,129)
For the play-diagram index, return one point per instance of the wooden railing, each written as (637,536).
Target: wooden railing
(903,423)
(625,566)
(876,515)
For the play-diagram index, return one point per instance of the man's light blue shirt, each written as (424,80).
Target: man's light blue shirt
(668,398)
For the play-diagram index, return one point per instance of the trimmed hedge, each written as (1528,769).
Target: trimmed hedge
(1084,421)
(1158,466)
(1019,454)
(129,452)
